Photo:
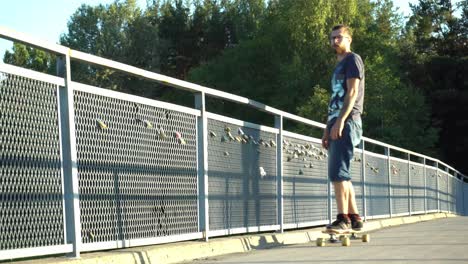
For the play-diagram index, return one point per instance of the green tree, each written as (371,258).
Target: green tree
(394,112)
(280,62)
(31,58)
(435,45)
(102,31)
(242,19)
(174,30)
(290,60)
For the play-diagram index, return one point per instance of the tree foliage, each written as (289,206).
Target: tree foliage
(31,58)
(436,47)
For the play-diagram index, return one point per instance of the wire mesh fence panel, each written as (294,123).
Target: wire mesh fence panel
(241,176)
(443,195)
(459,197)
(431,198)
(417,188)
(399,185)
(465,199)
(31,196)
(137,167)
(452,193)
(377,193)
(305,191)
(357,180)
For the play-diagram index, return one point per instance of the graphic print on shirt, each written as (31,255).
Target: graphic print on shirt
(338,93)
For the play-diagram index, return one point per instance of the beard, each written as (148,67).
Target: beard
(338,49)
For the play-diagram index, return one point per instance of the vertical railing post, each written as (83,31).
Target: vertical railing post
(279,171)
(363,171)
(329,199)
(437,186)
(390,202)
(459,194)
(425,185)
(448,200)
(410,193)
(465,202)
(456,184)
(69,156)
(202,165)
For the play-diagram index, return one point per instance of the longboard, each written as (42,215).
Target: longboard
(343,237)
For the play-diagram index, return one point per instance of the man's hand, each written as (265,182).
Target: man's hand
(337,129)
(325,139)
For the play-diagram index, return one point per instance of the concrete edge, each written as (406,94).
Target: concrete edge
(191,250)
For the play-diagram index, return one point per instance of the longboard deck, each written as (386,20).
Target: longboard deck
(344,237)
(336,232)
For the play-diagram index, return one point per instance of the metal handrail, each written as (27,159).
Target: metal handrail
(184,85)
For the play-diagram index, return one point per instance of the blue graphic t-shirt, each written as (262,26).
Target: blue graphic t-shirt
(350,67)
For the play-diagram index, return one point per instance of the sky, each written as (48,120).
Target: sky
(41,19)
(47,19)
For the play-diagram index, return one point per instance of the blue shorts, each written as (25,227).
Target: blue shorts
(341,151)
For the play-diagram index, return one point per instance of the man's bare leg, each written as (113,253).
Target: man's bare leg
(356,221)
(341,196)
(352,207)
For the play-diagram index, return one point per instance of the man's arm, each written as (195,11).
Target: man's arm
(349,100)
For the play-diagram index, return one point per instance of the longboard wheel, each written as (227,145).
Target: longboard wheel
(345,242)
(366,238)
(320,242)
(342,237)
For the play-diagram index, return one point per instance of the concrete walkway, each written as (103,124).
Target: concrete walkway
(444,240)
(438,237)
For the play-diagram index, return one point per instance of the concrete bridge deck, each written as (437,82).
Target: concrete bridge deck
(432,238)
(439,241)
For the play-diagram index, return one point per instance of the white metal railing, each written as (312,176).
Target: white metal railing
(71,192)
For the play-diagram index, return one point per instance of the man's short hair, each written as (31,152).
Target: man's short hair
(346,29)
